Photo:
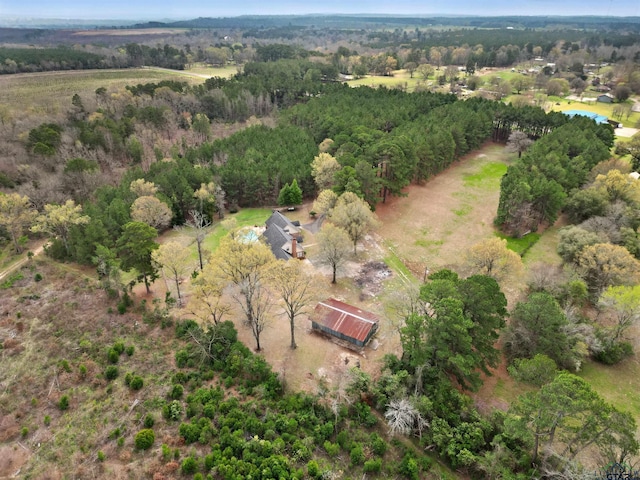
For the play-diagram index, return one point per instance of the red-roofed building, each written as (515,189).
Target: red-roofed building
(344,321)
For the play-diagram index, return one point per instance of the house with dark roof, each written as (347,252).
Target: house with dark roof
(352,326)
(605,98)
(283,237)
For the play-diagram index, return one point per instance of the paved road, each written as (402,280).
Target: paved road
(625,132)
(314,227)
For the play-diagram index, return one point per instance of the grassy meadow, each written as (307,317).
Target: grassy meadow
(400,79)
(51,92)
(202,69)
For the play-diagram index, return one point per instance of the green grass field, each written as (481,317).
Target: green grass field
(520,245)
(400,79)
(618,384)
(489,174)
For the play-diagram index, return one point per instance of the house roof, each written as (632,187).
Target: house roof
(283,222)
(601,119)
(278,235)
(345,319)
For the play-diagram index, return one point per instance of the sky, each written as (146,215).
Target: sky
(187,9)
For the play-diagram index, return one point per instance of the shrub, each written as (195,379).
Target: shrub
(312,469)
(357,454)
(101,456)
(136,383)
(149,421)
(373,466)
(182,358)
(47,420)
(63,404)
(166,451)
(176,392)
(111,372)
(37,277)
(614,353)
(189,465)
(24,432)
(130,349)
(172,411)
(190,432)
(378,445)
(118,347)
(83,370)
(343,440)
(113,355)
(333,449)
(409,467)
(144,439)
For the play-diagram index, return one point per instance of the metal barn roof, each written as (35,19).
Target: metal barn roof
(346,319)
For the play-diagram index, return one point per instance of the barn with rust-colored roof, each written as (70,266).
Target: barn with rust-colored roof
(345,322)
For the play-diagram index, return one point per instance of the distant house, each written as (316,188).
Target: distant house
(283,237)
(605,98)
(352,326)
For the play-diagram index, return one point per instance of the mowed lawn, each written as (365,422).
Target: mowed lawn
(400,79)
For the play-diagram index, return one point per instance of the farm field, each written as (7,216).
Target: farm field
(51,92)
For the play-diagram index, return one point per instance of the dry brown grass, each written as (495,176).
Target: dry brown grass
(65,317)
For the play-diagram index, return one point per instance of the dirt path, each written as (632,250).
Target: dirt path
(15,266)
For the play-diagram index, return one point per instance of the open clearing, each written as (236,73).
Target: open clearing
(51,92)
(437,222)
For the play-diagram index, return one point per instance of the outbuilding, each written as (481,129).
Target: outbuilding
(605,98)
(351,325)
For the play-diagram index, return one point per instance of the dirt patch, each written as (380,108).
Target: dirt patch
(370,278)
(12,458)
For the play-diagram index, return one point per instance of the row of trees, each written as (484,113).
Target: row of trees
(534,190)
(19,60)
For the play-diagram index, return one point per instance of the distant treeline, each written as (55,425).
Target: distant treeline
(362,21)
(492,40)
(25,60)
(14,60)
